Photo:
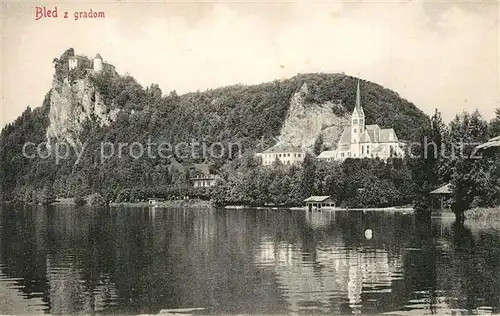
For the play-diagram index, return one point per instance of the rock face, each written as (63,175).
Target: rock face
(71,104)
(305,122)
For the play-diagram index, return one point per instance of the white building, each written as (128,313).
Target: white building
(75,61)
(287,154)
(203,181)
(364,141)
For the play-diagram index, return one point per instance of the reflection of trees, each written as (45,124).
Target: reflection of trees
(22,249)
(252,261)
(330,266)
(469,271)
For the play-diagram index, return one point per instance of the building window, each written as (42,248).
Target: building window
(355,121)
(354,130)
(288,155)
(280,155)
(367,149)
(362,149)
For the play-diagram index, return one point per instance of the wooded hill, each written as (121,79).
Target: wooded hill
(238,113)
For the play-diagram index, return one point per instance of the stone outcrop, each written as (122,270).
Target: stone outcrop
(71,104)
(305,122)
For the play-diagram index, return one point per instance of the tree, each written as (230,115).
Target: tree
(468,173)
(494,127)
(318,145)
(48,195)
(307,176)
(96,199)
(427,163)
(79,197)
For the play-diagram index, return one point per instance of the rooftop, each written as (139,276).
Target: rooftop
(493,142)
(77,57)
(283,148)
(317,198)
(445,189)
(327,154)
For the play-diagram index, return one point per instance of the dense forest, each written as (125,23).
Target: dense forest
(450,157)
(240,113)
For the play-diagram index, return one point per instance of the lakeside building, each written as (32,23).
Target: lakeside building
(443,193)
(203,181)
(317,202)
(364,141)
(286,154)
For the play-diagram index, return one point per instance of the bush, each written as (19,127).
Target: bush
(96,200)
(80,200)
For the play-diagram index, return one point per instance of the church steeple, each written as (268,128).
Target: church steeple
(357,119)
(358,108)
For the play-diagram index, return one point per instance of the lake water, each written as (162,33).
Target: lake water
(131,260)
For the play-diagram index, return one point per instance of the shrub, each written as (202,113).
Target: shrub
(96,200)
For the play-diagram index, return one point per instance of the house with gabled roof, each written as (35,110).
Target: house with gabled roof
(364,141)
(285,153)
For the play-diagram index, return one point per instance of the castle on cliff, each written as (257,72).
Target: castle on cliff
(97,64)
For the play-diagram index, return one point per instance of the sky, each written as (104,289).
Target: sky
(442,55)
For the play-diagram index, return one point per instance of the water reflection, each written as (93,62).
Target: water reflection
(64,261)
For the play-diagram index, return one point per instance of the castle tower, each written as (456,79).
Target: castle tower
(98,63)
(357,124)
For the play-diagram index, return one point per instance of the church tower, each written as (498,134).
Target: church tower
(357,125)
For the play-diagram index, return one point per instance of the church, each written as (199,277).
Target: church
(364,141)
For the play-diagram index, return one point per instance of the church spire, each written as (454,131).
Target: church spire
(358,106)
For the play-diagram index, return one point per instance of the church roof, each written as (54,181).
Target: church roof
(385,135)
(283,148)
(98,56)
(366,138)
(374,132)
(346,136)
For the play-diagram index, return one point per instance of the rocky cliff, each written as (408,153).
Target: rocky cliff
(306,122)
(71,105)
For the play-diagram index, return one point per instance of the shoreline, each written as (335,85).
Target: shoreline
(325,209)
(166,204)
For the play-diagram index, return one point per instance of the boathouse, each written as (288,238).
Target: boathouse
(443,193)
(319,201)
(155,201)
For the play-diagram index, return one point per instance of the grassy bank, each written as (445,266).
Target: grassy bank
(483,218)
(484,214)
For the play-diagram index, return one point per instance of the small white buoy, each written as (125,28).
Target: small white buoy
(368,234)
